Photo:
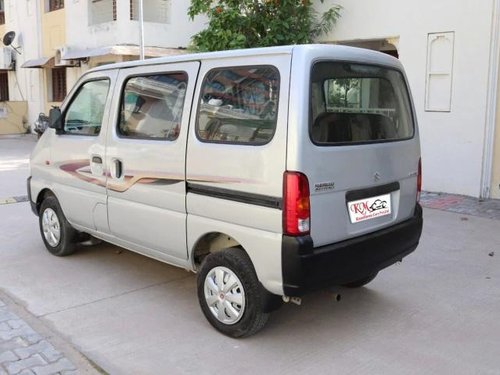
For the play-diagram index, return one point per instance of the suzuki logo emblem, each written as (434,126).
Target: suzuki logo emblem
(376,176)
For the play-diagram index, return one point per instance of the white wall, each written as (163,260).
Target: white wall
(452,143)
(124,31)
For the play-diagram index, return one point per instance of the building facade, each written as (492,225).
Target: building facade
(450,51)
(59,40)
(14,88)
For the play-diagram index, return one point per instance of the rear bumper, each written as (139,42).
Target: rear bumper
(307,268)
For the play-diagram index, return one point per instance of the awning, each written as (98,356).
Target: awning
(119,50)
(43,62)
(70,53)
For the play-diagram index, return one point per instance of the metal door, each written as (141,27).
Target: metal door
(146,150)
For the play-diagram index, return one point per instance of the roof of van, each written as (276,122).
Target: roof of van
(320,51)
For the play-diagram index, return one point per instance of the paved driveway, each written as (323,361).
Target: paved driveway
(14,165)
(437,312)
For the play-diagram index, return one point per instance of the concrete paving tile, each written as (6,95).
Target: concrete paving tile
(24,364)
(489,208)
(8,356)
(61,365)
(42,347)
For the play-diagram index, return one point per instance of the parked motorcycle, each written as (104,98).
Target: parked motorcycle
(41,124)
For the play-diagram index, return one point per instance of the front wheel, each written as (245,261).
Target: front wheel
(230,294)
(58,235)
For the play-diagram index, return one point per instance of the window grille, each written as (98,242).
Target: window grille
(58,84)
(55,5)
(2,12)
(102,11)
(4,87)
(154,10)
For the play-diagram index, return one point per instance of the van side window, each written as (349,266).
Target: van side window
(239,105)
(151,106)
(86,110)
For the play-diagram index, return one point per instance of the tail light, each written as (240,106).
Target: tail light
(296,209)
(419,179)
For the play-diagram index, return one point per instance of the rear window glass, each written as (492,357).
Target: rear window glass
(354,103)
(238,105)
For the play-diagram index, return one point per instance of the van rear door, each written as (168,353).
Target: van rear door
(363,154)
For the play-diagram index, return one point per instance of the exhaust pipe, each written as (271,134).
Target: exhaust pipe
(336,296)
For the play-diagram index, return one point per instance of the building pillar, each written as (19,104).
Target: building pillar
(490,175)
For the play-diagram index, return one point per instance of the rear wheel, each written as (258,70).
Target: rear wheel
(361,282)
(230,294)
(58,235)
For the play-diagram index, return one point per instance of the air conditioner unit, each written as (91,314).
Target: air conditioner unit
(6,61)
(59,61)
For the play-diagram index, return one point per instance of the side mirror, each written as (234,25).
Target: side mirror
(55,120)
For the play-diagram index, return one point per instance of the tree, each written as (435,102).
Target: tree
(259,23)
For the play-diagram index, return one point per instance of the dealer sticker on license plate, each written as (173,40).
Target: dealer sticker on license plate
(369,208)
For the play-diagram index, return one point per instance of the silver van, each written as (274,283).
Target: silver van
(268,172)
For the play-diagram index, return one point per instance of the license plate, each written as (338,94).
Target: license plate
(369,208)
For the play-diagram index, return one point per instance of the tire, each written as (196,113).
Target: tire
(242,312)
(58,235)
(361,282)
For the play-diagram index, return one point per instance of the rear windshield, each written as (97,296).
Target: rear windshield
(354,103)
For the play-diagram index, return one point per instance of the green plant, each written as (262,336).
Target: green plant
(236,24)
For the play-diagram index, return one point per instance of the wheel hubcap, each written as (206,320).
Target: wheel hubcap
(51,227)
(224,295)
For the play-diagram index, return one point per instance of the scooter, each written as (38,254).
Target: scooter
(41,124)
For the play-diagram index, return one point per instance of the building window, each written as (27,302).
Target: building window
(58,84)
(55,5)
(154,10)
(2,12)
(439,71)
(102,11)
(4,87)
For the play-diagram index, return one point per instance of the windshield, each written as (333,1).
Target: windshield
(354,103)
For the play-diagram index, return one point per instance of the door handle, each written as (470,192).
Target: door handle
(117,168)
(96,166)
